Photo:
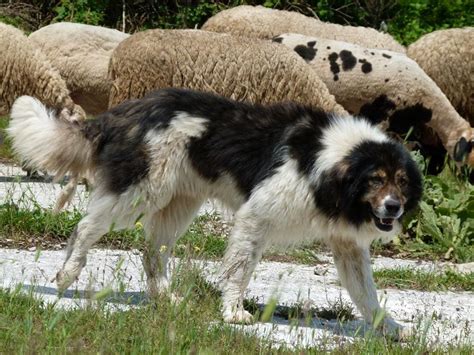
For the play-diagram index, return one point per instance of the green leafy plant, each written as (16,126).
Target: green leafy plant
(445,219)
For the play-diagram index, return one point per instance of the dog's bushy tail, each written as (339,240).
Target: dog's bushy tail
(47,142)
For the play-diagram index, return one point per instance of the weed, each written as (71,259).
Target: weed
(444,223)
(406,278)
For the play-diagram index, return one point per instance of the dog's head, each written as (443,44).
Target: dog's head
(376,182)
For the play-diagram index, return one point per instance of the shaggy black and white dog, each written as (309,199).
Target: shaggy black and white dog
(289,172)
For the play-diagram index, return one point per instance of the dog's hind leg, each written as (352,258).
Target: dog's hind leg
(246,245)
(94,225)
(355,272)
(163,228)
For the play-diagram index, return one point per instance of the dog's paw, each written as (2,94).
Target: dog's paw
(64,279)
(239,316)
(395,330)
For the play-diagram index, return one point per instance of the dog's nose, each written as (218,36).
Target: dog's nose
(393,206)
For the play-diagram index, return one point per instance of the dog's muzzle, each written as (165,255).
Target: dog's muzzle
(385,215)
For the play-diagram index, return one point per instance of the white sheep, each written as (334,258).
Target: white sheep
(389,89)
(447,56)
(235,67)
(81,53)
(264,23)
(24,70)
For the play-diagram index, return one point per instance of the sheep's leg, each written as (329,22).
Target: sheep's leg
(245,249)
(89,230)
(355,272)
(162,231)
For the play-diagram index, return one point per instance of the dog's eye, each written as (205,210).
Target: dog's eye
(376,181)
(402,181)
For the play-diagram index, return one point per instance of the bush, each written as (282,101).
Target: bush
(416,18)
(444,223)
(406,20)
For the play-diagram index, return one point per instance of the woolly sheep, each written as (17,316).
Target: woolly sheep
(24,70)
(235,67)
(81,53)
(389,89)
(264,23)
(447,56)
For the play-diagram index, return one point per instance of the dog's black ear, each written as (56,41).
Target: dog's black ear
(303,146)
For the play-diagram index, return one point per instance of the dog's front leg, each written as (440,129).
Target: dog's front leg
(355,272)
(242,255)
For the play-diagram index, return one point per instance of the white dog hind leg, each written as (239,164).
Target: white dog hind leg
(89,230)
(162,230)
(245,249)
(355,273)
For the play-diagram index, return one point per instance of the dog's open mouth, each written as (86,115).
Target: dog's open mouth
(384,224)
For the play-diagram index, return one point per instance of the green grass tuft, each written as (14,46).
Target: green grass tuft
(405,278)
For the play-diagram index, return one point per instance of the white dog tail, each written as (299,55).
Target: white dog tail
(48,142)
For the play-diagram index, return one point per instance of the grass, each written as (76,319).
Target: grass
(29,326)
(405,278)
(339,310)
(21,227)
(193,326)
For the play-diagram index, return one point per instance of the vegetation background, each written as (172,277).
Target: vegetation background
(406,20)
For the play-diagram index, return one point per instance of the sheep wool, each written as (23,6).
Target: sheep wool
(389,89)
(24,70)
(81,54)
(447,56)
(264,23)
(234,67)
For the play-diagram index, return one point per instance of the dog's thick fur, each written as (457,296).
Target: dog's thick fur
(289,172)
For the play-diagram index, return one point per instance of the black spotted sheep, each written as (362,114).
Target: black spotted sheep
(264,23)
(392,90)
